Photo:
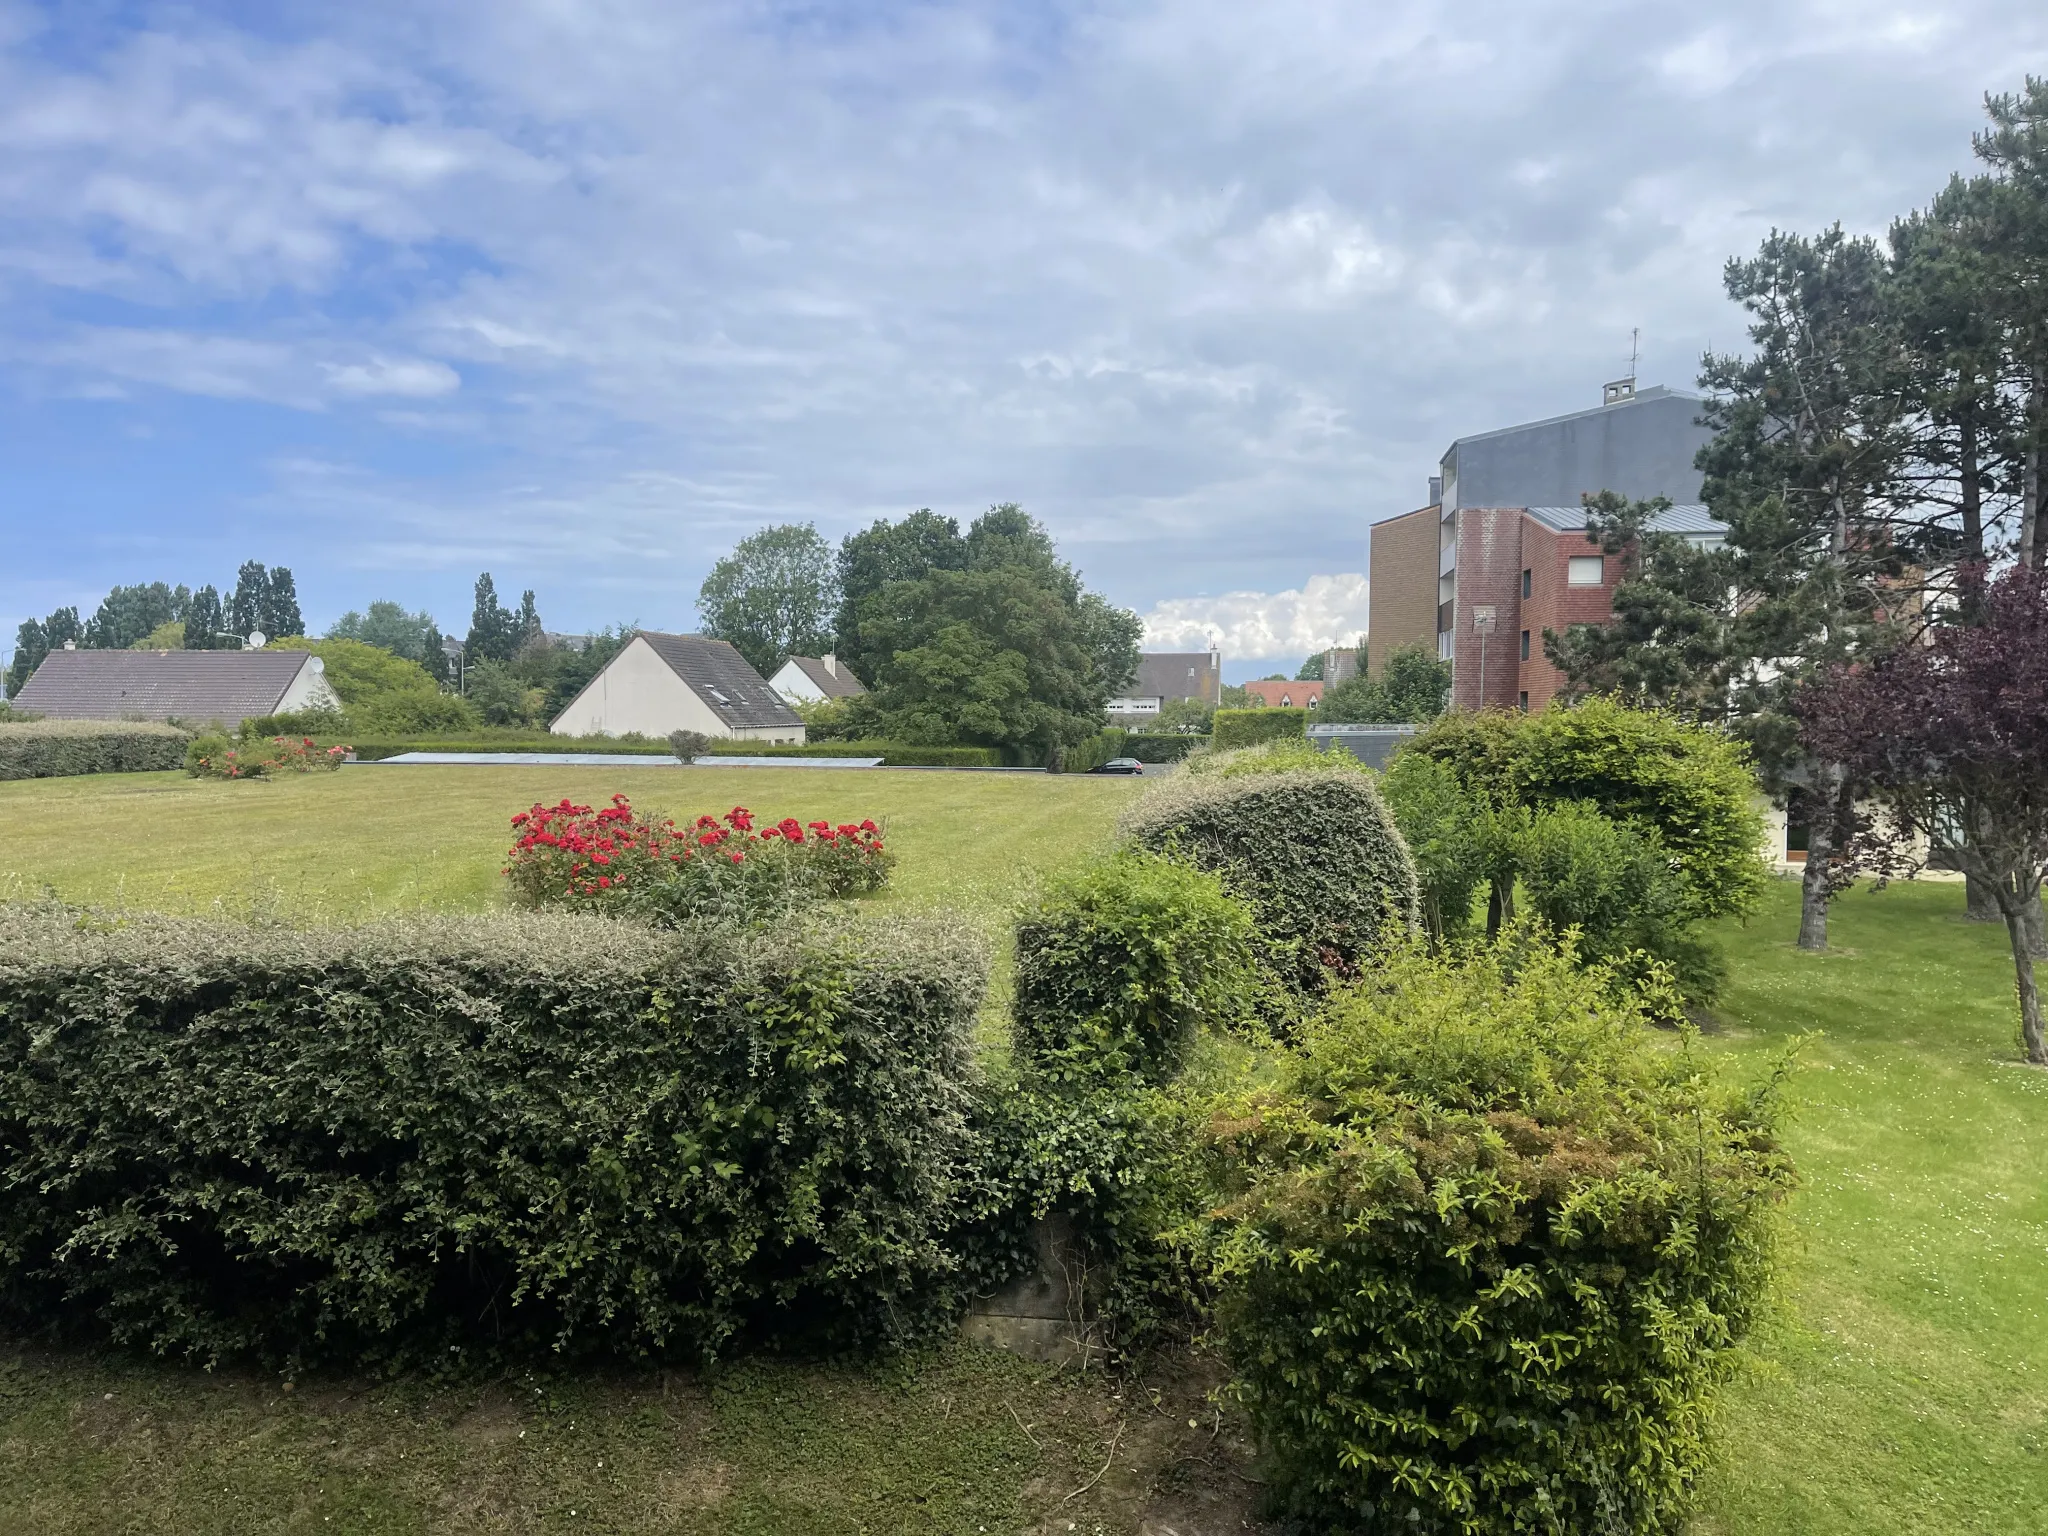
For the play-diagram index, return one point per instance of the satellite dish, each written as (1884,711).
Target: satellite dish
(318,665)
(257,639)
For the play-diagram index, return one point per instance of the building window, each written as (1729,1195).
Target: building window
(1522,699)
(1525,645)
(1525,583)
(1584,571)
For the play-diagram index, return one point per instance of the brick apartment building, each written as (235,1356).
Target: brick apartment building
(1500,554)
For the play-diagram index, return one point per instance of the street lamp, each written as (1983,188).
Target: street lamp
(1482,620)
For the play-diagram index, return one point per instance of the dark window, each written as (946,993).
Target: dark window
(1523,700)
(1525,645)
(1525,583)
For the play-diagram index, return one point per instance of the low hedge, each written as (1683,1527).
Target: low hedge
(1092,753)
(1315,853)
(478,1135)
(56,749)
(1164,748)
(1484,1251)
(1249,727)
(893,754)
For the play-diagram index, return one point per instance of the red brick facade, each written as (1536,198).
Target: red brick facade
(1496,545)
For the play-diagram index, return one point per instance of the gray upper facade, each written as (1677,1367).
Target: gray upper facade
(1640,446)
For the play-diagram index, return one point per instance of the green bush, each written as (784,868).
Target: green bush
(1486,1253)
(1444,828)
(1249,727)
(894,754)
(1151,747)
(1286,755)
(1314,853)
(480,1134)
(55,749)
(1092,753)
(1118,963)
(688,746)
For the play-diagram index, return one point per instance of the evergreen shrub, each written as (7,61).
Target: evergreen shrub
(1119,963)
(1093,752)
(1249,727)
(1485,1252)
(479,1135)
(1315,854)
(1162,747)
(55,749)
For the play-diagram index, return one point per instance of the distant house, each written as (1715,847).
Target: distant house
(1295,695)
(1165,677)
(661,683)
(197,687)
(814,679)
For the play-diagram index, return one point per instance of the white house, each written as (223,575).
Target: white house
(814,679)
(662,683)
(197,687)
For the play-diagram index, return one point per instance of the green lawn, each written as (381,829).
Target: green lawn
(1903,1389)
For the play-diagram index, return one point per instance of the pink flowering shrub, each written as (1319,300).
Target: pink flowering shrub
(215,757)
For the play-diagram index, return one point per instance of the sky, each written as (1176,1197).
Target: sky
(581,292)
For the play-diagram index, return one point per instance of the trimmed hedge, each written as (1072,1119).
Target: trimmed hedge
(1488,1251)
(479,1134)
(1316,854)
(55,749)
(1249,727)
(893,754)
(1118,963)
(1092,753)
(1161,748)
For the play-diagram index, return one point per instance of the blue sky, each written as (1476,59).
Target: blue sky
(582,293)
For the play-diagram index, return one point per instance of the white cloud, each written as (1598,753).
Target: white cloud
(1322,612)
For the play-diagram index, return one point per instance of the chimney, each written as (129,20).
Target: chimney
(831,664)
(1436,490)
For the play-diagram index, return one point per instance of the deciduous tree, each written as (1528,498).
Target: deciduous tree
(773,597)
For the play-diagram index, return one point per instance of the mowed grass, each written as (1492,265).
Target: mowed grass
(1902,1388)
(373,839)
(1905,1386)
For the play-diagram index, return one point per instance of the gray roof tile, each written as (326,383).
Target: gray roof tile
(197,686)
(836,684)
(724,679)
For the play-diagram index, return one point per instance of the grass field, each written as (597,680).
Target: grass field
(1904,1387)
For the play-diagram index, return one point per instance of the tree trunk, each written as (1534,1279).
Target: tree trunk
(2023,971)
(2034,929)
(1824,819)
(1980,901)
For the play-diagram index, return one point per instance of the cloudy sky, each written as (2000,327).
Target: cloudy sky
(583,291)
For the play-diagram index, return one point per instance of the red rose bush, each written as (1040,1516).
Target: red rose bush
(619,861)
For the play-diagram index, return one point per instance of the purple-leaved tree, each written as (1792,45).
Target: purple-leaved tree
(1950,740)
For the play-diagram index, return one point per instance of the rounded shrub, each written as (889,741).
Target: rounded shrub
(1484,1253)
(1315,854)
(1118,964)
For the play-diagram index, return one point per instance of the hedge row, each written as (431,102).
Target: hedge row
(1156,748)
(55,749)
(893,754)
(1249,727)
(476,1134)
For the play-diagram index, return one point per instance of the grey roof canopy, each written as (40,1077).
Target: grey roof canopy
(724,679)
(1689,519)
(199,686)
(837,682)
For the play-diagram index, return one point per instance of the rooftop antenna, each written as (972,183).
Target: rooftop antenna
(1635,349)
(1622,390)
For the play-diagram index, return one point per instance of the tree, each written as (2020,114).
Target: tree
(129,615)
(248,609)
(1311,670)
(527,626)
(493,635)
(1949,738)
(885,552)
(390,627)
(502,696)
(35,640)
(2016,148)
(773,597)
(205,621)
(1415,687)
(281,614)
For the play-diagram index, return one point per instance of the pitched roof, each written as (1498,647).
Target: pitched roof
(1296,694)
(722,678)
(839,683)
(200,686)
(1173,675)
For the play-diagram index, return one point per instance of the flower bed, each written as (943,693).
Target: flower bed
(616,859)
(215,757)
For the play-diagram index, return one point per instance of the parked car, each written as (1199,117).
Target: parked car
(1120,765)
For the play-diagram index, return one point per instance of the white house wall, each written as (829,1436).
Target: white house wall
(309,690)
(793,683)
(638,691)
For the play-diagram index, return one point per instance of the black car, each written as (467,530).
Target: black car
(1120,765)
